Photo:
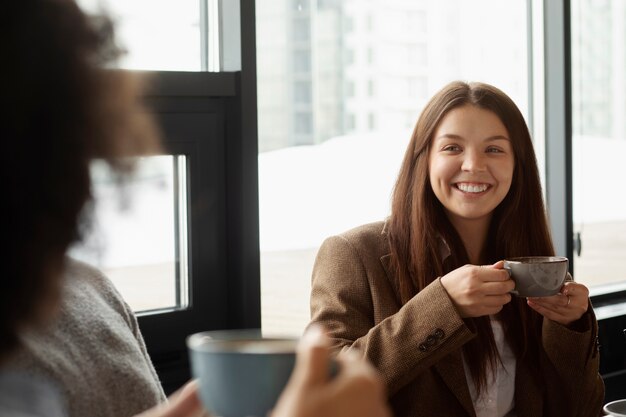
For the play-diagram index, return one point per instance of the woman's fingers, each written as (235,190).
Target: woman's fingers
(312,361)
(358,389)
(549,313)
(498,288)
(566,307)
(497,300)
(490,274)
(498,265)
(478,290)
(575,289)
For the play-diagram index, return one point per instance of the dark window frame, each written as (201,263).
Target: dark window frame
(558,108)
(212,119)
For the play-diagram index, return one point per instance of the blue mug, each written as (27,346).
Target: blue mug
(240,372)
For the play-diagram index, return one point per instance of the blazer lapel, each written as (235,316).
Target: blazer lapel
(450,368)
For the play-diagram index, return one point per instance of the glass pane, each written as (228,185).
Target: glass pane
(599,139)
(138,237)
(329,157)
(158,35)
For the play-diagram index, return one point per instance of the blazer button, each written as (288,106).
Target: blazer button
(423,347)
(431,340)
(439,334)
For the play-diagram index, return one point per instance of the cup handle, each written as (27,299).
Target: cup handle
(508,269)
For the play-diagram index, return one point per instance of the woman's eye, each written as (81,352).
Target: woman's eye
(492,149)
(451,148)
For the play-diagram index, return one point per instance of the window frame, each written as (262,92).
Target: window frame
(211,119)
(610,306)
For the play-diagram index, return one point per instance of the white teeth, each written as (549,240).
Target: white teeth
(471,188)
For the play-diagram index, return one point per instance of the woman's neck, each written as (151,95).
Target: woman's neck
(473,233)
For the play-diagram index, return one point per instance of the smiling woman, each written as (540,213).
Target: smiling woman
(424,295)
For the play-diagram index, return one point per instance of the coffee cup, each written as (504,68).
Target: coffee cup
(616,408)
(537,276)
(241,373)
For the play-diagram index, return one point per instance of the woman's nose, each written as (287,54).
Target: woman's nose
(473,161)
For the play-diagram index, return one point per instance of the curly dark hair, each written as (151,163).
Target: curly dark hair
(63,108)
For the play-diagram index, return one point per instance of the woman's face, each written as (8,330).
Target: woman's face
(471,164)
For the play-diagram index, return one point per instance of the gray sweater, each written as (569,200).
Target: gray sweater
(93,350)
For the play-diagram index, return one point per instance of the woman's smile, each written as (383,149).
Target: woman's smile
(471,187)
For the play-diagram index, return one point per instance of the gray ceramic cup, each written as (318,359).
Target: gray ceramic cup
(241,373)
(537,276)
(616,408)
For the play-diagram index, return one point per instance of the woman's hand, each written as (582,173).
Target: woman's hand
(479,290)
(566,307)
(183,403)
(356,391)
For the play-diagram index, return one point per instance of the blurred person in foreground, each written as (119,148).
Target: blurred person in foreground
(64,110)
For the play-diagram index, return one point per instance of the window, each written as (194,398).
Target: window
(371,56)
(417,55)
(350,122)
(371,121)
(599,141)
(348,23)
(156,35)
(344,176)
(139,236)
(302,92)
(349,57)
(350,89)
(300,5)
(370,22)
(597,46)
(371,90)
(302,29)
(303,123)
(418,88)
(418,22)
(301,61)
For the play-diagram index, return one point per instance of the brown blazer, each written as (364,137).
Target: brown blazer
(417,346)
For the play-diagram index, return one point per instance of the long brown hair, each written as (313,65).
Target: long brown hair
(519,227)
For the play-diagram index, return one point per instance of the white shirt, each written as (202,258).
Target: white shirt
(498,399)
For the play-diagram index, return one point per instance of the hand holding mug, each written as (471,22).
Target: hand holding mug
(356,391)
(479,290)
(565,307)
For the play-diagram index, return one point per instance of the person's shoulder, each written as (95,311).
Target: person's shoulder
(82,278)
(374,230)
(75,268)
(370,237)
